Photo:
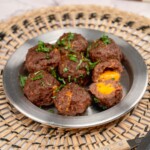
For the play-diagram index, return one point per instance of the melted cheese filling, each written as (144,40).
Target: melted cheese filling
(109,75)
(105,88)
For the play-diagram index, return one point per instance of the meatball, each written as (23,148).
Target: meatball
(40,87)
(73,67)
(72,100)
(108,70)
(101,51)
(72,42)
(106,93)
(42,57)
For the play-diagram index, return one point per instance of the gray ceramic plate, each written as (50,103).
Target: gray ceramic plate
(134,81)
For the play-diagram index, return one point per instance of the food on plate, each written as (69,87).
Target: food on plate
(72,73)
(108,70)
(42,57)
(72,42)
(104,49)
(106,93)
(40,88)
(72,100)
(73,67)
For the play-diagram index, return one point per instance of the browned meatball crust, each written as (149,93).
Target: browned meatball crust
(72,42)
(73,66)
(72,100)
(42,60)
(112,64)
(103,97)
(40,87)
(100,51)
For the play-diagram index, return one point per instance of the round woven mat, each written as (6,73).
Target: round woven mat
(20,132)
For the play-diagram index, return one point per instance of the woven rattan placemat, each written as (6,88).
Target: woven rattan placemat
(20,132)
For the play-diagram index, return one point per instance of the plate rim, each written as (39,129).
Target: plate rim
(67,125)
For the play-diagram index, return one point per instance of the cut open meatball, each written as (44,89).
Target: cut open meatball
(72,100)
(102,51)
(106,93)
(72,42)
(40,88)
(108,70)
(42,57)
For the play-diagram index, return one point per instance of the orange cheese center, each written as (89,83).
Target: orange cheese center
(109,75)
(105,88)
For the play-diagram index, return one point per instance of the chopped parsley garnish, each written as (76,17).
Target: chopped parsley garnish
(53,72)
(51,110)
(47,56)
(61,80)
(80,62)
(65,69)
(42,48)
(112,78)
(69,78)
(87,69)
(37,75)
(81,76)
(73,57)
(105,39)
(70,36)
(53,97)
(96,100)
(66,41)
(103,107)
(60,87)
(75,79)
(88,49)
(92,65)
(61,42)
(23,80)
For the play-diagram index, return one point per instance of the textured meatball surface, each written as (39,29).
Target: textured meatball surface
(72,100)
(72,42)
(40,88)
(42,60)
(100,51)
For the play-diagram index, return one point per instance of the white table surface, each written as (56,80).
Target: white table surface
(10,8)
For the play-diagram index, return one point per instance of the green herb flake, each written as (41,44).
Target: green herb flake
(88,50)
(105,39)
(53,97)
(42,83)
(61,80)
(65,69)
(75,79)
(61,42)
(23,80)
(73,57)
(47,56)
(69,78)
(87,69)
(37,75)
(103,107)
(60,87)
(53,72)
(112,78)
(81,76)
(42,48)
(96,100)
(92,65)
(70,36)
(51,110)
(80,62)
